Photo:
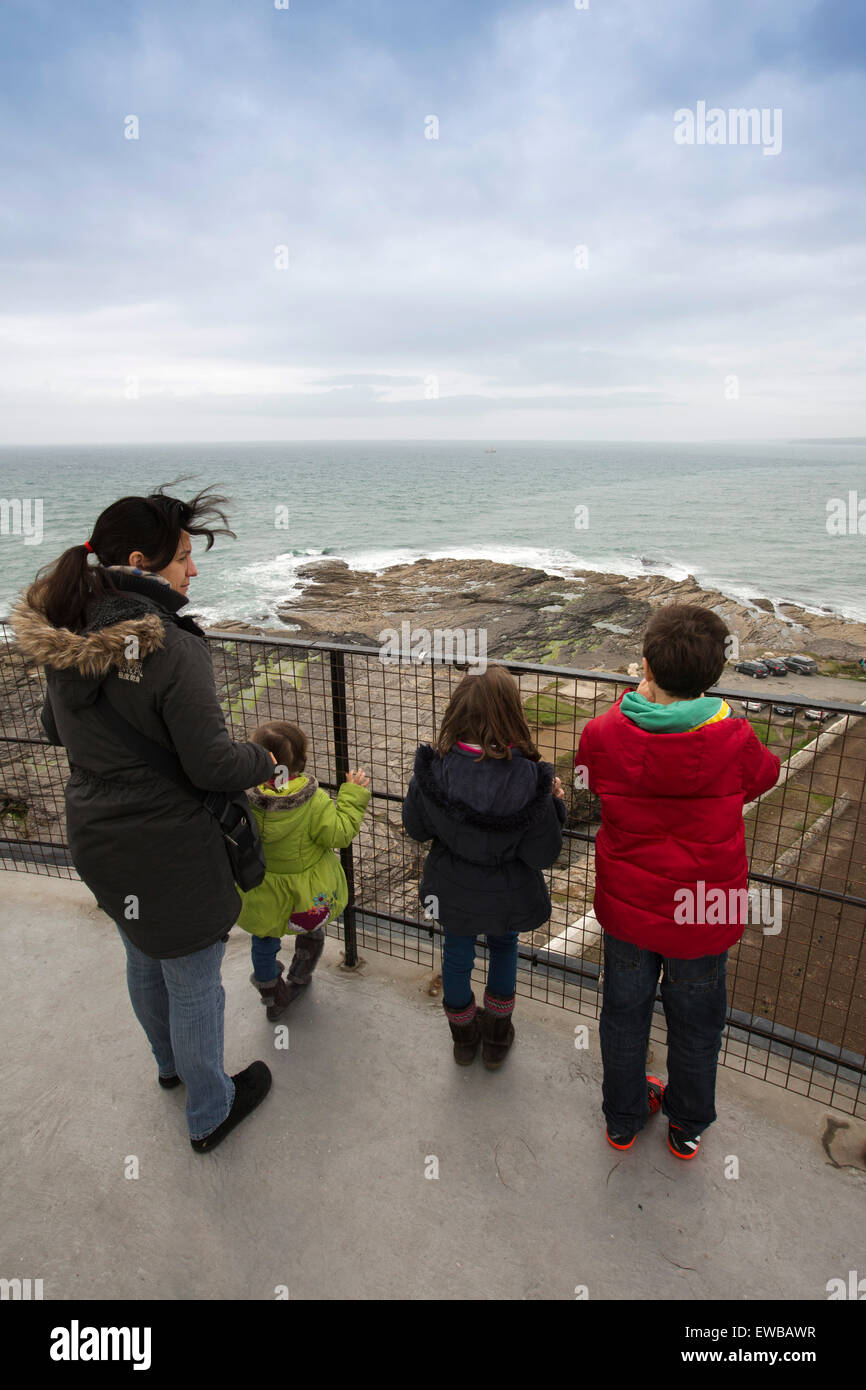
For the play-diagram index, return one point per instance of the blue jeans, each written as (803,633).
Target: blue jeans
(264,951)
(180,1004)
(695,1004)
(458,958)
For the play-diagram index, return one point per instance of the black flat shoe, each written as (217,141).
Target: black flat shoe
(251,1087)
(168,1083)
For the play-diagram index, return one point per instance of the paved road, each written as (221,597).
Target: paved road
(776,687)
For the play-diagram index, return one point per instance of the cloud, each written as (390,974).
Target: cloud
(299,137)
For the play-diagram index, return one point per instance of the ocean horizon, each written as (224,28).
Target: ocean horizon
(749,519)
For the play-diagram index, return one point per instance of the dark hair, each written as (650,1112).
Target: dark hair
(286,741)
(486,709)
(152,524)
(685,648)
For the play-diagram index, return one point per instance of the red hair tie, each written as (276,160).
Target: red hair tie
(88,546)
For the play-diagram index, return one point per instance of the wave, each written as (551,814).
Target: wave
(559,563)
(253,592)
(553,560)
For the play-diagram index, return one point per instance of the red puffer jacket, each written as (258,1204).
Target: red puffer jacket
(672,817)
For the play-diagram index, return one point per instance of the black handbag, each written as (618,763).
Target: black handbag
(230,810)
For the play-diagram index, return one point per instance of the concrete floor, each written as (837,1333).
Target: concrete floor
(323,1189)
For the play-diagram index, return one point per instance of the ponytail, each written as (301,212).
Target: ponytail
(64,590)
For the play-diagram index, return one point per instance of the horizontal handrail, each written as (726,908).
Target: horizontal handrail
(46,856)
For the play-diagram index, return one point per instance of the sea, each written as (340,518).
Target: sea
(777,520)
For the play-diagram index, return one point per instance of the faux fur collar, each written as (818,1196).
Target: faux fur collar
(93,654)
(468,815)
(283,801)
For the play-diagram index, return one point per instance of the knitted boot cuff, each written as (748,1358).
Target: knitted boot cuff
(497,1005)
(461,1016)
(268,984)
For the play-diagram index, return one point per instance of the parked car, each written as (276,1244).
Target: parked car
(817,715)
(756,669)
(803,665)
(774,665)
(752,706)
(784,710)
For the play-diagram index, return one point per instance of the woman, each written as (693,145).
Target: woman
(151,854)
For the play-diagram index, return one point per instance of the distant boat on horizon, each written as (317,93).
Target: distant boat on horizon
(490,451)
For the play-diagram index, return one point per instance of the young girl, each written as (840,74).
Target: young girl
(494,812)
(304,886)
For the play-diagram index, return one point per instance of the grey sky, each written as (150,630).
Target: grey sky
(432,289)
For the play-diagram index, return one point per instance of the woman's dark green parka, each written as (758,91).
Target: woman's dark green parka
(151,854)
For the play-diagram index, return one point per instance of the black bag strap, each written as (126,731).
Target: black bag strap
(153,753)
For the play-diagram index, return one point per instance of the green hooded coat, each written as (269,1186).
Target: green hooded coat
(300,828)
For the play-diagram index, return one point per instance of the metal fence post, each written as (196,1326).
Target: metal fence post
(341,762)
(833,879)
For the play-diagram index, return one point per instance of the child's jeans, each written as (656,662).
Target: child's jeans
(265,949)
(458,958)
(180,1004)
(695,1005)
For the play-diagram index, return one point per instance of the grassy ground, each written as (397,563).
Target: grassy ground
(847,669)
(269,670)
(549,710)
(777,737)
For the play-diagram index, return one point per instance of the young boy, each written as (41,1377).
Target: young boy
(673,768)
(304,886)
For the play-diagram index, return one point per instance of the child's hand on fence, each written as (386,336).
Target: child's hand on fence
(359,777)
(556,789)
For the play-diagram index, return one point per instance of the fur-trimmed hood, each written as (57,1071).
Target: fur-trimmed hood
(521,787)
(282,800)
(137,605)
(91,653)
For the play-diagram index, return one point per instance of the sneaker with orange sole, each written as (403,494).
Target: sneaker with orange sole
(680,1145)
(655,1090)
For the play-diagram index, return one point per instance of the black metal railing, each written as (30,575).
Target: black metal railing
(797,997)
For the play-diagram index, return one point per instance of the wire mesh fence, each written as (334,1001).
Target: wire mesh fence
(796,980)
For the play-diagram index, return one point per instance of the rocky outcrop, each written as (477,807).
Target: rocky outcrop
(588,619)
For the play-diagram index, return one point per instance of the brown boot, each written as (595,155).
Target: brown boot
(465,1025)
(276,994)
(309,946)
(497,1030)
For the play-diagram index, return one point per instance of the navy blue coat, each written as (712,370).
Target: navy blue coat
(494,825)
